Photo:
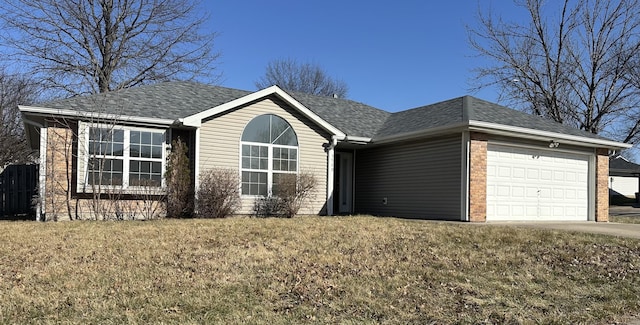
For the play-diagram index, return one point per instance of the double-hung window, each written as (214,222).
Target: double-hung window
(124,157)
(269,149)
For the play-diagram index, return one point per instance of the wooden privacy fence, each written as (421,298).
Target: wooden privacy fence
(18,185)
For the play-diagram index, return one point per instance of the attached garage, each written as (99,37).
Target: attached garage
(533,184)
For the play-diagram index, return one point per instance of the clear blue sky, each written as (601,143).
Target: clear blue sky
(393,55)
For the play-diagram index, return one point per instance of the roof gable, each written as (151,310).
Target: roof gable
(196,119)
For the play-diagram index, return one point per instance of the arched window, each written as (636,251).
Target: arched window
(269,149)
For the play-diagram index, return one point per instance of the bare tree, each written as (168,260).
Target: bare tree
(307,78)
(80,46)
(14,90)
(575,63)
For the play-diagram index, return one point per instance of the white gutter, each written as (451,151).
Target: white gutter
(520,132)
(350,138)
(506,130)
(95,115)
(41,211)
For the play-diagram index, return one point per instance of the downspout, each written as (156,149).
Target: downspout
(42,177)
(330,172)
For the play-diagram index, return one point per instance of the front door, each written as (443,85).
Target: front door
(344,182)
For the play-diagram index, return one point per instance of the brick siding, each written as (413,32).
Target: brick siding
(61,203)
(602,185)
(478,178)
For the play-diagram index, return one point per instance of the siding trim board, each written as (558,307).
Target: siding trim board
(465,170)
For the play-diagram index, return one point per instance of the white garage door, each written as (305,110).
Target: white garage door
(534,184)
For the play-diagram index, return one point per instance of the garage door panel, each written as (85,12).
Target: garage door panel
(546,174)
(536,184)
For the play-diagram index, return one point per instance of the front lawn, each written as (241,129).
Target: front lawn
(625,219)
(312,269)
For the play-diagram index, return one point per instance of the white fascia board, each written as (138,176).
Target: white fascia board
(520,132)
(196,119)
(84,115)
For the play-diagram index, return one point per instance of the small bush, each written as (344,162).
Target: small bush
(219,193)
(290,192)
(268,206)
(179,195)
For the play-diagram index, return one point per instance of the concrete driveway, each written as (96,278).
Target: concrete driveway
(607,228)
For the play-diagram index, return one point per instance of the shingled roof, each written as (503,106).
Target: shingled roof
(352,118)
(168,100)
(174,100)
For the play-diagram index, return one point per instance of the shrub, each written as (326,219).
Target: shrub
(290,192)
(179,195)
(151,200)
(267,206)
(219,193)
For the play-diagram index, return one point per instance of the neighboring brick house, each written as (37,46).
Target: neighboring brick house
(462,159)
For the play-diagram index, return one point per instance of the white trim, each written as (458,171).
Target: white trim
(587,152)
(520,132)
(95,115)
(592,191)
(354,139)
(465,166)
(195,120)
(269,171)
(42,177)
(125,158)
(196,166)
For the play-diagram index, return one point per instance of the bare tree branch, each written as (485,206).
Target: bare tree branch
(14,90)
(574,63)
(308,78)
(80,46)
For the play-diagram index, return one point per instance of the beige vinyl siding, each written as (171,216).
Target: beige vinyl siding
(420,179)
(220,145)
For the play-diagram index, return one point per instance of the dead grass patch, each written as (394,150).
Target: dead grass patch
(625,219)
(312,269)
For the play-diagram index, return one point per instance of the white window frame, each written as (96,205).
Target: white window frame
(126,159)
(270,171)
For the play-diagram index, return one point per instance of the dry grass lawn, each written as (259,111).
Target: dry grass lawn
(625,219)
(312,269)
